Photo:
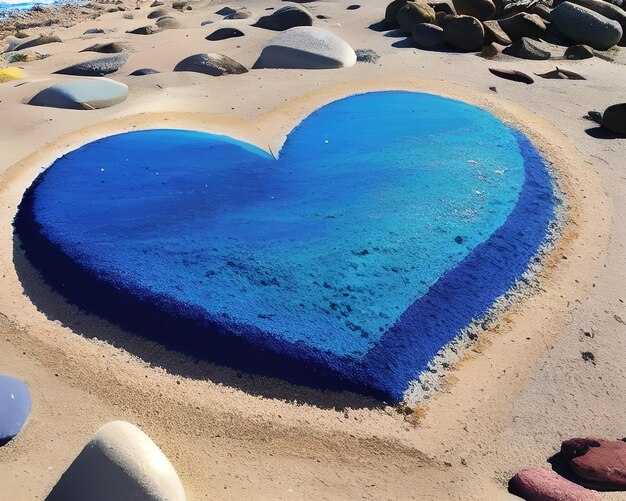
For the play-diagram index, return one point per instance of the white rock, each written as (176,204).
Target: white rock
(82,94)
(305,47)
(119,463)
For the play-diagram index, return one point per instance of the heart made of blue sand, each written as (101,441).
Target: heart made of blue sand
(387,224)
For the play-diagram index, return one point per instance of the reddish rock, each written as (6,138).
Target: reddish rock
(601,462)
(541,484)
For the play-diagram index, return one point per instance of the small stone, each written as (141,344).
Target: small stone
(93,31)
(143,72)
(614,118)
(238,14)
(465,33)
(366,56)
(210,64)
(143,30)
(106,48)
(525,48)
(284,19)
(224,33)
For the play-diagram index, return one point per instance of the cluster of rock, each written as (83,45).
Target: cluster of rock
(597,463)
(470,25)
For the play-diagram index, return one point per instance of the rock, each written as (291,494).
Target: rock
(585,26)
(143,30)
(391,13)
(480,9)
(525,48)
(210,64)
(561,74)
(93,31)
(143,72)
(523,25)
(515,75)
(8,74)
(204,23)
(284,19)
(444,6)
(106,48)
(601,462)
(465,33)
(238,14)
(495,34)
(180,5)
(96,67)
(156,3)
(14,406)
(119,462)
(168,23)
(42,40)
(414,13)
(428,37)
(366,56)
(489,51)
(87,94)
(224,33)
(542,10)
(605,9)
(128,15)
(155,14)
(306,48)
(541,484)
(353,7)
(578,52)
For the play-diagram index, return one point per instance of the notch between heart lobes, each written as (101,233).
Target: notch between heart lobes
(389,222)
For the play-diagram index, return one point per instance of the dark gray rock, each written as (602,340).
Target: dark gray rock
(106,48)
(465,33)
(366,56)
(93,31)
(143,30)
(210,64)
(155,14)
(525,48)
(224,33)
(285,18)
(577,52)
(428,37)
(143,72)
(96,67)
(523,25)
(586,26)
(42,40)
(614,119)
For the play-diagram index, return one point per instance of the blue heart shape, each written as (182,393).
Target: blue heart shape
(389,222)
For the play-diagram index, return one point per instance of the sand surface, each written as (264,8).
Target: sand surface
(522,389)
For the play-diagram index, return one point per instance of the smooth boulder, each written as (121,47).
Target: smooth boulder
(577,52)
(14,407)
(523,25)
(605,9)
(84,94)
(428,37)
(480,9)
(306,48)
(584,26)
(96,67)
(120,462)
(284,19)
(42,40)
(525,48)
(210,64)
(414,13)
(106,48)
(391,12)
(465,33)
(541,484)
(602,463)
(224,33)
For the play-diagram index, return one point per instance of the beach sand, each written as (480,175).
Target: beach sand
(522,389)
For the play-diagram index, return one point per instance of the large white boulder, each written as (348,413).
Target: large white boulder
(82,94)
(306,48)
(119,463)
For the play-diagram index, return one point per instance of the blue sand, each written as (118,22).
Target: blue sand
(388,223)
(14,407)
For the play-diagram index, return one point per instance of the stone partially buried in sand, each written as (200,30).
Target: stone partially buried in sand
(224,33)
(285,18)
(413,13)
(585,26)
(119,463)
(96,67)
(210,64)
(306,48)
(14,407)
(600,462)
(541,484)
(87,94)
(42,40)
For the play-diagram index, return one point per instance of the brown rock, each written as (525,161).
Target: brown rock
(414,13)
(541,484)
(465,33)
(601,462)
(495,34)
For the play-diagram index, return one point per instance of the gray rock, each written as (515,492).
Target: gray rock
(210,64)
(96,67)
(143,72)
(413,13)
(480,9)
(84,94)
(238,14)
(93,31)
(465,33)
(143,30)
(577,52)
(284,19)
(525,48)
(585,26)
(168,23)
(614,118)
(605,9)
(445,6)
(495,34)
(306,48)
(155,14)
(428,37)
(523,25)
(106,48)
(42,40)
(119,463)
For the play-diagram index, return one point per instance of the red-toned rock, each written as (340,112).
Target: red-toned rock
(602,462)
(541,484)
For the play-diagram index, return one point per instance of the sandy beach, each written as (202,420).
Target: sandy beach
(507,404)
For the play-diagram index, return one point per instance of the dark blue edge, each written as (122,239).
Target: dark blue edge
(462,295)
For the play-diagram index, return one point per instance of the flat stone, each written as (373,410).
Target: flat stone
(143,30)
(284,19)
(155,14)
(93,31)
(168,23)
(541,484)
(601,463)
(42,40)
(14,407)
(106,48)
(96,67)
(306,48)
(83,94)
(224,33)
(605,9)
(210,64)
(238,14)
(413,13)
(523,25)
(525,48)
(585,26)
(143,72)
(119,462)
